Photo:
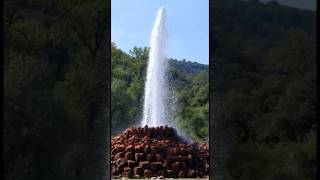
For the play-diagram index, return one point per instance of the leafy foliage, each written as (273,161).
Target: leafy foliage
(264,80)
(189,88)
(55,89)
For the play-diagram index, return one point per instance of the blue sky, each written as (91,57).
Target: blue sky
(187,26)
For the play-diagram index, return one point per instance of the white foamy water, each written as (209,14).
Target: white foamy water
(156,91)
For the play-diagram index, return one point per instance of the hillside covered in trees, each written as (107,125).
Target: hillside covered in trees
(189,92)
(263,91)
(55,95)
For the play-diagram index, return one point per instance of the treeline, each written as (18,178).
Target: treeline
(56,59)
(189,93)
(263,90)
(188,84)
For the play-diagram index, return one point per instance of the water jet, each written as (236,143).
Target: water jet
(156,89)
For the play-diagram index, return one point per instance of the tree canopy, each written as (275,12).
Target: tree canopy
(264,90)
(56,60)
(188,89)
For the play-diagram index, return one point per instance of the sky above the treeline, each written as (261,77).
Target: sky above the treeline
(187,26)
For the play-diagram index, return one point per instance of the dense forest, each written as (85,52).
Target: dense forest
(263,91)
(188,90)
(56,102)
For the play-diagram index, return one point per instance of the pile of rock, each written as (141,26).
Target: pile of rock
(157,152)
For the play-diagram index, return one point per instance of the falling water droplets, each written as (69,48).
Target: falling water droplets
(155,111)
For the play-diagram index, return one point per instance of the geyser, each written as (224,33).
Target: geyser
(155,93)
(155,149)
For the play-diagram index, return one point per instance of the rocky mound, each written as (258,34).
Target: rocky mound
(157,152)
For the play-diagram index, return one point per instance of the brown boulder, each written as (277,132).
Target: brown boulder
(137,171)
(114,171)
(147,149)
(200,174)
(157,151)
(154,149)
(183,152)
(176,167)
(126,169)
(191,173)
(184,166)
(171,174)
(137,149)
(129,156)
(138,157)
(165,165)
(155,166)
(120,161)
(127,174)
(129,148)
(119,155)
(190,151)
(162,173)
(147,173)
(176,151)
(144,164)
(182,174)
(151,157)
(136,177)
(131,164)
(176,159)
(159,158)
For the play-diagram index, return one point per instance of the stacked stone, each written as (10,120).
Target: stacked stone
(157,152)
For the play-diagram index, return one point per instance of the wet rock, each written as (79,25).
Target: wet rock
(136,176)
(126,169)
(131,164)
(147,173)
(182,174)
(120,161)
(137,171)
(161,173)
(114,171)
(144,164)
(138,149)
(165,165)
(155,166)
(157,151)
(119,155)
(154,149)
(129,148)
(200,174)
(138,157)
(159,158)
(184,166)
(147,149)
(171,174)
(127,174)
(191,173)
(129,156)
(151,157)
(176,167)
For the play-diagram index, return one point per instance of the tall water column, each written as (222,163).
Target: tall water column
(155,112)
